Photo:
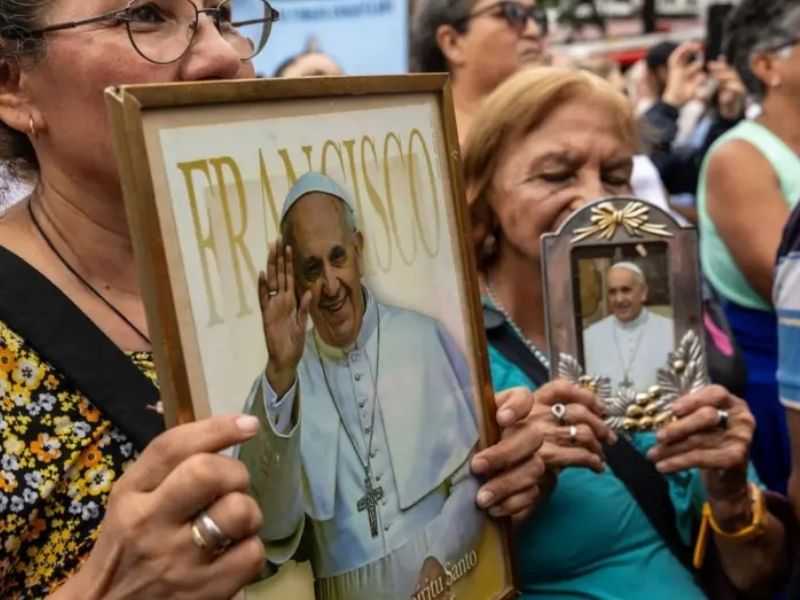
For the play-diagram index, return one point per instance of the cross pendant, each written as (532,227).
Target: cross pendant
(626,383)
(370,503)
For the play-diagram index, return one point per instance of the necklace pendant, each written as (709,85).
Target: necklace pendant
(369,503)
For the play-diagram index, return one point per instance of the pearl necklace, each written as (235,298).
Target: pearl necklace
(533,348)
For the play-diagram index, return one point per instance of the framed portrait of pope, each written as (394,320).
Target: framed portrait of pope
(624,310)
(304,258)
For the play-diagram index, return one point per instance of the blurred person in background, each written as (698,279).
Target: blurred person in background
(786,296)
(311,62)
(683,83)
(480,43)
(639,87)
(645,179)
(544,144)
(748,184)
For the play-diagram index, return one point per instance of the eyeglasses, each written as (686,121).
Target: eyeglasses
(162,31)
(788,43)
(515,14)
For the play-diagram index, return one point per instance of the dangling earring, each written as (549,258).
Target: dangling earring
(32,128)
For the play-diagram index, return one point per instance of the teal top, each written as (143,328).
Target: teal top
(590,539)
(718,264)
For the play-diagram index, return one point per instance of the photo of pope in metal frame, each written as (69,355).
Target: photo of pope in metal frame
(303,254)
(624,311)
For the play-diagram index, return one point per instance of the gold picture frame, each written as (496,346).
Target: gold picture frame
(205,167)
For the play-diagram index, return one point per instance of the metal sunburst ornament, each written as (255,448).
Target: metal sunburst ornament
(606,220)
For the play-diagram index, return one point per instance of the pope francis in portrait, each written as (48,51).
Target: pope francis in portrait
(631,344)
(369,421)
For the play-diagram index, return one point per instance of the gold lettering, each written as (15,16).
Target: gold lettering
(267,197)
(235,238)
(432,249)
(205,242)
(390,202)
(376,202)
(324,165)
(288,167)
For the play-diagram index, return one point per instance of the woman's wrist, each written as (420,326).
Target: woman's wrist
(729,496)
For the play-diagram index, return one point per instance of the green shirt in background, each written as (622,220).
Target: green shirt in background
(718,264)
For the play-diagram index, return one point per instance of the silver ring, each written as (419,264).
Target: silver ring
(559,412)
(272,293)
(723,418)
(208,536)
(573,435)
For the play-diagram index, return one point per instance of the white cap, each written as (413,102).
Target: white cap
(632,267)
(316,182)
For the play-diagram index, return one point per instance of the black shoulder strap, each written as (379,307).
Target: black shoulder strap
(504,340)
(651,491)
(647,486)
(66,338)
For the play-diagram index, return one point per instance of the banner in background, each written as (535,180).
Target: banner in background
(365,37)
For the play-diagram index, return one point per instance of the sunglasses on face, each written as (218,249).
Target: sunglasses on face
(515,14)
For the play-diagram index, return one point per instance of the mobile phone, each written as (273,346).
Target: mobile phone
(717,18)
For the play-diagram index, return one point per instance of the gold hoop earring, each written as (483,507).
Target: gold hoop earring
(32,127)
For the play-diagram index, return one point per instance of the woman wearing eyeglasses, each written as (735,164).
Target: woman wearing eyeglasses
(748,184)
(96,501)
(480,43)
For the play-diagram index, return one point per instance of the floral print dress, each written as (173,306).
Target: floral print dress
(59,457)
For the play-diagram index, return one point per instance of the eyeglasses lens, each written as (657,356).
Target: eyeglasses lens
(162,30)
(517,16)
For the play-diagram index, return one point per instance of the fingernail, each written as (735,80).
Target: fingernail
(651,454)
(480,465)
(662,466)
(496,512)
(247,424)
(613,438)
(485,498)
(505,416)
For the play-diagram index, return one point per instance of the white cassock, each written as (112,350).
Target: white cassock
(304,463)
(632,351)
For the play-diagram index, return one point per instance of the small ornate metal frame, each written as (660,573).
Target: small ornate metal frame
(614,222)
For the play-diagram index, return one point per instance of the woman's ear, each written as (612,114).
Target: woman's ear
(16,109)
(485,229)
(765,66)
(450,42)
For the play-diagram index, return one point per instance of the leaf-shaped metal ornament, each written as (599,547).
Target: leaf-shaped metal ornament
(629,410)
(686,371)
(570,369)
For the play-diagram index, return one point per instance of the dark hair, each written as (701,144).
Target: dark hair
(18,48)
(429,15)
(279,71)
(756,25)
(658,55)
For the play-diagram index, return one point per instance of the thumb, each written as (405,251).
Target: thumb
(305,308)
(263,292)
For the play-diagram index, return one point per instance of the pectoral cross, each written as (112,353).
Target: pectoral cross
(370,503)
(626,383)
